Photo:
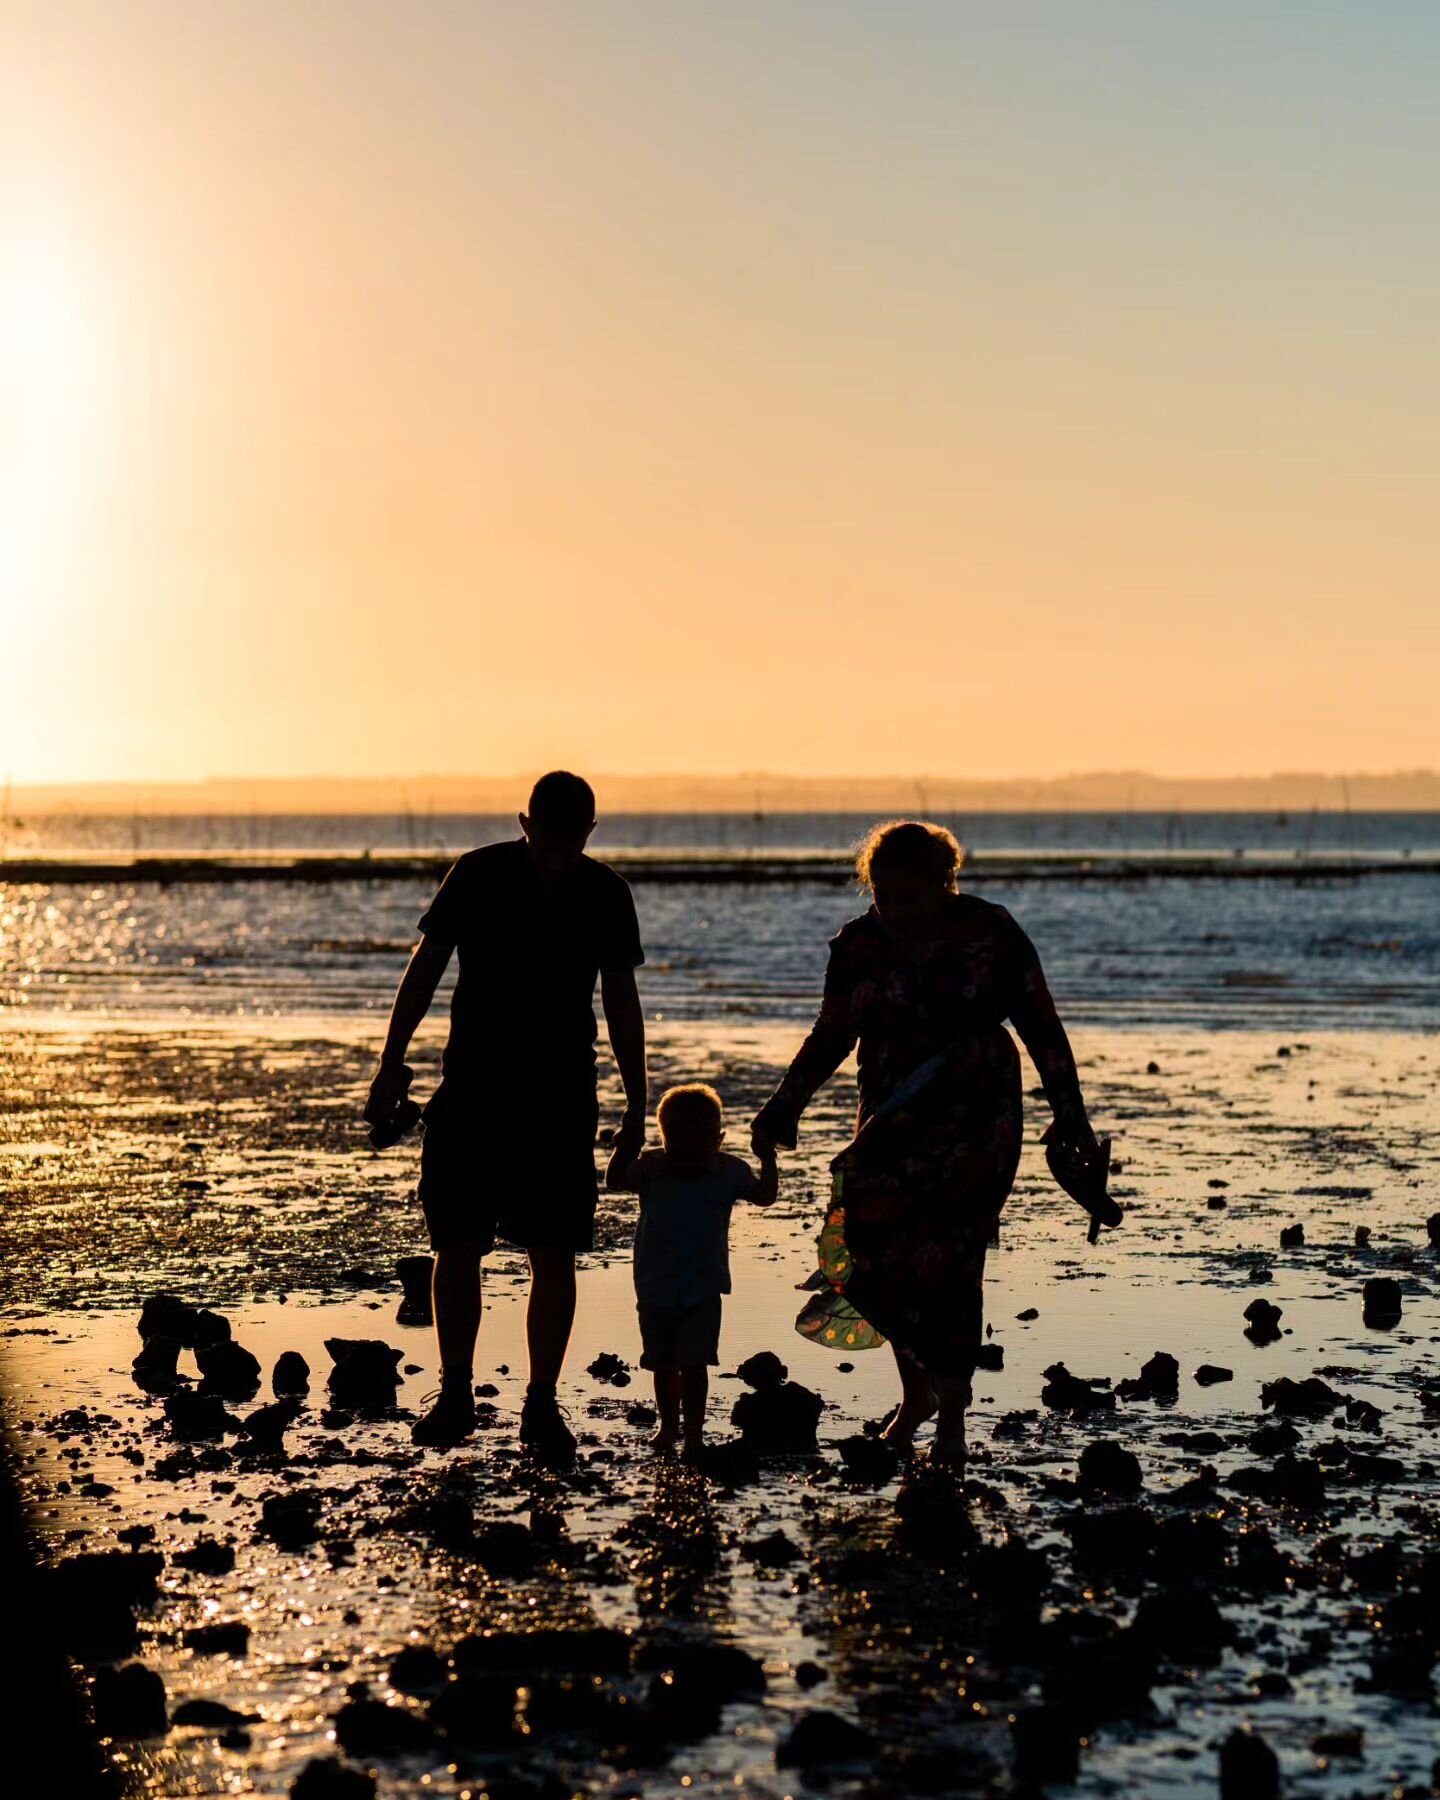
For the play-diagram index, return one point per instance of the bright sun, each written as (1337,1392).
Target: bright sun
(50,370)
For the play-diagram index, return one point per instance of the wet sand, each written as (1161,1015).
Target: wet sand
(1243,1585)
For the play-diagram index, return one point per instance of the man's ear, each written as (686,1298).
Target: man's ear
(524,822)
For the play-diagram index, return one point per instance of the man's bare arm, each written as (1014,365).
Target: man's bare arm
(625,1022)
(417,988)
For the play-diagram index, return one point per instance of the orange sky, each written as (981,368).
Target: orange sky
(954,387)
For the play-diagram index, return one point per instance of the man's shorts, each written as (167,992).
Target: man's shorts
(494,1165)
(680,1337)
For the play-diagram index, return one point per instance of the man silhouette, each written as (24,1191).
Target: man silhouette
(510,1132)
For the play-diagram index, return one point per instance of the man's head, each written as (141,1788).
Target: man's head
(559,819)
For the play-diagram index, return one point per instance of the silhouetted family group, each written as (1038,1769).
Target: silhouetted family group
(920,985)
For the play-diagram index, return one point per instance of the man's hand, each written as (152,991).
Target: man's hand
(628,1138)
(387,1090)
(762,1144)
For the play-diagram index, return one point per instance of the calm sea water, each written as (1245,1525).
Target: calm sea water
(1354,951)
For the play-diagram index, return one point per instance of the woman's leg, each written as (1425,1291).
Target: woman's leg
(917,1401)
(953,1392)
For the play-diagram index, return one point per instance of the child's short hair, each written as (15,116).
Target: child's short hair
(694,1106)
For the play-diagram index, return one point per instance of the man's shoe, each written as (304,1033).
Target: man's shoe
(543,1431)
(449,1421)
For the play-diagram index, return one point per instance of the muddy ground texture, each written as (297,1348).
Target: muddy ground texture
(1199,1543)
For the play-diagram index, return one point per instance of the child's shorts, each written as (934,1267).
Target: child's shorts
(680,1337)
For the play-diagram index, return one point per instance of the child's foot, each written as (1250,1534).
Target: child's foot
(449,1421)
(907,1419)
(662,1442)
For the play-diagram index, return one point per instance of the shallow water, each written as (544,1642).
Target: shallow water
(1338,1131)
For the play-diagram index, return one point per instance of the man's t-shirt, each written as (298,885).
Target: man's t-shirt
(682,1238)
(530,952)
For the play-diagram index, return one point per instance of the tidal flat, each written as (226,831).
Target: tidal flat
(1138,1566)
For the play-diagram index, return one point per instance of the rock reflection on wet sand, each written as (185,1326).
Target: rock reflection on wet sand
(1267,1561)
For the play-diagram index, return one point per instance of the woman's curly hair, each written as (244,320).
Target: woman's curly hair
(914,845)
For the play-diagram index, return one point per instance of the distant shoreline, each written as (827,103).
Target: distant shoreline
(1399,791)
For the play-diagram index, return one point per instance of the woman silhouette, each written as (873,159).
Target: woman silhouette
(923,982)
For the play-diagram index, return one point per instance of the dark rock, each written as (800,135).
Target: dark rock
(213,1715)
(1432,1230)
(1030,1312)
(1217,1203)
(371,1728)
(291,1375)
(90,1598)
(290,1519)
(763,1370)
(1264,1317)
(774,1551)
(1290,1481)
(613,1370)
(990,1357)
(416,1274)
(129,1702)
(1260,1564)
(726,1669)
(476,1711)
(1249,1768)
(1349,1744)
(167,1315)
(1065,1392)
(591,1650)
(779,1419)
(1260,1272)
(1310,1397)
(194,1417)
(934,1518)
(1152,1068)
(1382,1301)
(157,1359)
(731,1463)
(809,1675)
(1274,1437)
(505,1548)
(1362,1237)
(1159,1379)
(1189,1543)
(226,1637)
(1010,1574)
(1182,1622)
(1108,1468)
(326,1778)
(1209,1373)
(366,1372)
(1292,1237)
(1047,1738)
(209,1328)
(228,1369)
(1124,1535)
(819,1739)
(267,1425)
(1362,1415)
(207,1557)
(417,1669)
(869,1459)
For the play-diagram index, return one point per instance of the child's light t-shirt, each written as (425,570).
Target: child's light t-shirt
(682,1239)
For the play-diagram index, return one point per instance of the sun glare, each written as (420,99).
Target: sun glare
(50,380)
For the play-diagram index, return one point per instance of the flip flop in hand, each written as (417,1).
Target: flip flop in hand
(1083,1171)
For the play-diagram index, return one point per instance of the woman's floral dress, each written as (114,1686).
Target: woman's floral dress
(921,1187)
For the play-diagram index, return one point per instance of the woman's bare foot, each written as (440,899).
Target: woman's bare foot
(907,1419)
(662,1442)
(948,1453)
(694,1445)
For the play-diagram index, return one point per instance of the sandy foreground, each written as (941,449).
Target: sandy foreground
(1033,1629)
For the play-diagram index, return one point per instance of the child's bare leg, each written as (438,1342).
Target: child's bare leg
(667,1404)
(917,1401)
(694,1391)
(953,1392)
